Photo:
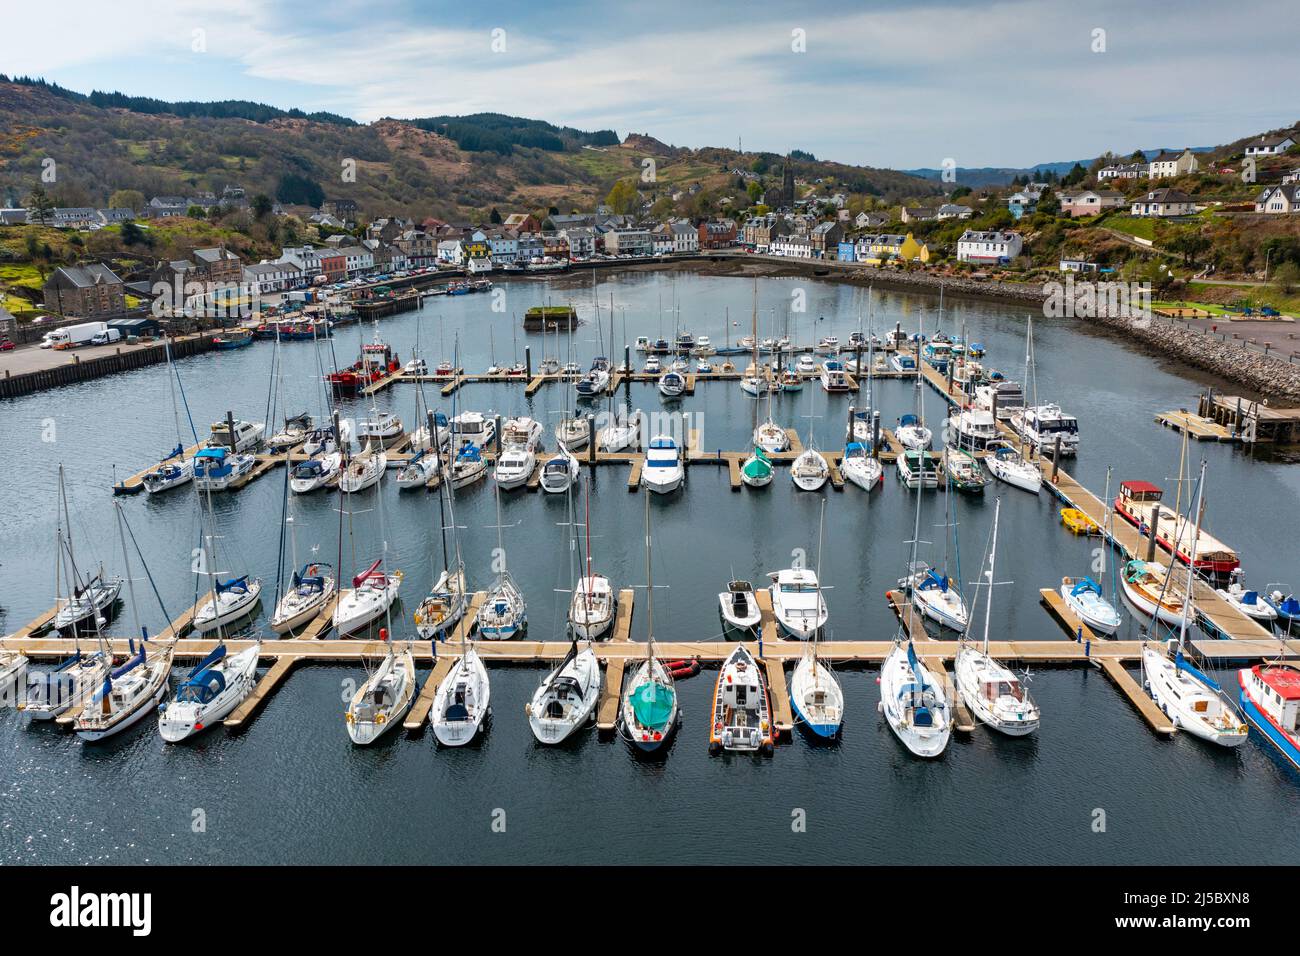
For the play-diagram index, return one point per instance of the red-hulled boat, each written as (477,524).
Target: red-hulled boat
(377,362)
(1139,504)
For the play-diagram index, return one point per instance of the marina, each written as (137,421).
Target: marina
(713,524)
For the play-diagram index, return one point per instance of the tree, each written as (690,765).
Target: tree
(196,212)
(298,190)
(132,235)
(261,205)
(622,198)
(1049,203)
(1286,277)
(1075,176)
(131,199)
(41,205)
(495,218)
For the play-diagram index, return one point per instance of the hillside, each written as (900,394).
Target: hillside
(450,167)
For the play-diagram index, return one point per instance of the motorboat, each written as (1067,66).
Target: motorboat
(226,603)
(964,471)
(913,703)
(473,428)
(372,593)
(559,473)
(1042,425)
(316,472)
(1084,597)
(218,468)
(383,700)
(515,466)
(462,701)
(1003,399)
(213,688)
(810,470)
(419,470)
(1139,504)
(246,435)
(1249,603)
(1270,701)
(742,710)
(859,467)
(741,616)
(972,429)
(364,470)
(663,470)
(827,345)
(834,378)
(1005,464)
(797,602)
(918,469)
(468,467)
(522,431)
(912,435)
(380,429)
(310,589)
(566,698)
(652,366)
(129,693)
(444,605)
(672,384)
(937,597)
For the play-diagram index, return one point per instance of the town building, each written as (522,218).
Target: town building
(995,247)
(1167,165)
(1281,199)
(1163,203)
(1090,202)
(88,291)
(1271,145)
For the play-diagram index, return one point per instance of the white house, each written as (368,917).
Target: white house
(1279,199)
(1163,203)
(1167,165)
(505,246)
(358,259)
(451,252)
(796,247)
(686,239)
(1123,171)
(1271,145)
(267,277)
(953,211)
(305,258)
(988,247)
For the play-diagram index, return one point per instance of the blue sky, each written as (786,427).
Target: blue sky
(900,84)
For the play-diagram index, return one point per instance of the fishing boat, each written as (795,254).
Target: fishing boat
(214,687)
(1006,464)
(364,470)
(294,433)
(1270,700)
(559,473)
(228,339)
(1147,588)
(810,471)
(992,692)
(418,471)
(964,471)
(573,433)
(462,701)
(515,466)
(797,602)
(913,435)
(227,602)
(742,712)
(912,703)
(672,384)
(937,597)
(663,471)
(741,616)
(1041,426)
(918,469)
(1084,597)
(859,467)
(372,593)
(383,700)
(237,436)
(376,363)
(757,470)
(566,698)
(1077,522)
(128,694)
(381,429)
(316,472)
(468,467)
(1249,603)
(218,469)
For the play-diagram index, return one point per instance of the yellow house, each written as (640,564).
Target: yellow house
(879,249)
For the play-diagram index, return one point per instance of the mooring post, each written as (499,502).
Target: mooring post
(1152,529)
(849,426)
(230,428)
(1056,456)
(433,434)
(496,437)
(528,363)
(627,367)
(591,440)
(875,434)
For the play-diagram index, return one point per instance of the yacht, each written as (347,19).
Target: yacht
(797,602)
(246,435)
(971,430)
(663,470)
(1042,425)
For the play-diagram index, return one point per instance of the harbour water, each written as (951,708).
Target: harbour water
(292,789)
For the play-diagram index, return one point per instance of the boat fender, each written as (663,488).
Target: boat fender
(348,716)
(381,718)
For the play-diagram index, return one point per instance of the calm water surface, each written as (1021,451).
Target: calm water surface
(292,789)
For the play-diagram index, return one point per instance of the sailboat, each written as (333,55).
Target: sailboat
(648,711)
(92,603)
(559,473)
(1006,464)
(364,469)
(132,691)
(770,436)
(311,587)
(594,604)
(462,702)
(211,690)
(1190,698)
(13,675)
(910,700)
(373,590)
(174,470)
(815,691)
(757,470)
(383,700)
(447,600)
(992,692)
(504,614)
(566,698)
(1084,596)
(229,600)
(810,470)
(936,595)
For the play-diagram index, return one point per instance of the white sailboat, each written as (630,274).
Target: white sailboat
(559,473)
(992,692)
(174,470)
(815,691)
(1005,464)
(214,687)
(383,700)
(504,614)
(566,698)
(364,470)
(594,604)
(462,702)
(447,600)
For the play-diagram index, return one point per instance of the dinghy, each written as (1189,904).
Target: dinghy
(741,617)
(742,712)
(214,688)
(912,703)
(566,698)
(462,701)
(383,700)
(373,591)
(797,602)
(1083,596)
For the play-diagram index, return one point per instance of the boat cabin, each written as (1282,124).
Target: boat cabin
(1276,691)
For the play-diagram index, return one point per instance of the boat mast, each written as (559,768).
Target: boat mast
(817,608)
(993,550)
(650,592)
(1191,560)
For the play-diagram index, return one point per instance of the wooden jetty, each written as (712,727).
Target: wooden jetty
(779,696)
(610,696)
(1139,698)
(135,483)
(1196,427)
(419,712)
(914,624)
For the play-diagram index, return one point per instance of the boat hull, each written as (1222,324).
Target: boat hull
(1256,717)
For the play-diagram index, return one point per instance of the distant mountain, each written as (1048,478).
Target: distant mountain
(975,176)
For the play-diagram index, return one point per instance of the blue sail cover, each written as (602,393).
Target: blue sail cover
(1086,585)
(915,665)
(218,453)
(933,581)
(234,584)
(1183,664)
(218,654)
(907,420)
